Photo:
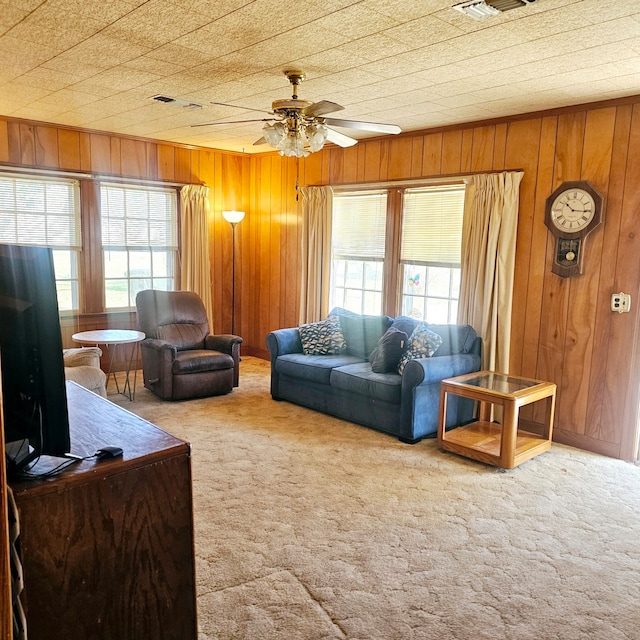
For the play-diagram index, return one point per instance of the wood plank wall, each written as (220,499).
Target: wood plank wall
(562,329)
(42,146)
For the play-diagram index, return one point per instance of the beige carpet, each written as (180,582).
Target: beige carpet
(309,527)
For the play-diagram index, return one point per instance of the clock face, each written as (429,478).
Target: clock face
(573,210)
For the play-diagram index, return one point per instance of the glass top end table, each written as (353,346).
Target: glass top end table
(502,444)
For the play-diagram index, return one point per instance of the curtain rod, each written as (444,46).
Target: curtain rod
(89,176)
(398,184)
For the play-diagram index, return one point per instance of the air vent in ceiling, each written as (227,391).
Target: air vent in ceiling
(176,102)
(479,9)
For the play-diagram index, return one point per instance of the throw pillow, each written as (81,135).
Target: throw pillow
(423,343)
(322,338)
(386,356)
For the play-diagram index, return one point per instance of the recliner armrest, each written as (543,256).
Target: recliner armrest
(158,345)
(222,342)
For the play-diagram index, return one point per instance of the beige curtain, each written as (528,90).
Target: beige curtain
(317,204)
(488,257)
(195,273)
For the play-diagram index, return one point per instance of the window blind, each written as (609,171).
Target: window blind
(432,225)
(135,217)
(359,224)
(40,211)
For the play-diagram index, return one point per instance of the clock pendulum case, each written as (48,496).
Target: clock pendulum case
(572,211)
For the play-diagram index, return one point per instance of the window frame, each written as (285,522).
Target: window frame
(65,238)
(132,244)
(393,266)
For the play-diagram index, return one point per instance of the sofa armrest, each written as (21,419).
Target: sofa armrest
(281,342)
(284,341)
(423,371)
(421,394)
(82,356)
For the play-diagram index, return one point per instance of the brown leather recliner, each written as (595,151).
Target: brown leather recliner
(180,359)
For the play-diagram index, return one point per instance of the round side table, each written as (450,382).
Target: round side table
(112,338)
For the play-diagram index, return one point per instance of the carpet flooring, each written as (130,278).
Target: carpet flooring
(309,527)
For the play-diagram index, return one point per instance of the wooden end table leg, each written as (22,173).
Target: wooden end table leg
(509,435)
(442,415)
(550,404)
(484,412)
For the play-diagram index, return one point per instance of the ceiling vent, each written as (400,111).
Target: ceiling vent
(176,102)
(479,9)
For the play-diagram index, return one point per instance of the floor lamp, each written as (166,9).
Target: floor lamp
(233,217)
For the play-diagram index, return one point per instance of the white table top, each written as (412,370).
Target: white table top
(108,336)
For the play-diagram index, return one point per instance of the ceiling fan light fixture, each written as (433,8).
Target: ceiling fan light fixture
(274,133)
(293,145)
(294,138)
(316,135)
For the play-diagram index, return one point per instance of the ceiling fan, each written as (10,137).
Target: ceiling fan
(298,127)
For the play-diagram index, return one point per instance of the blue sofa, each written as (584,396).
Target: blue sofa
(344,385)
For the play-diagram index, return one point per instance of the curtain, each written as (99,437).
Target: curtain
(489,230)
(195,272)
(317,204)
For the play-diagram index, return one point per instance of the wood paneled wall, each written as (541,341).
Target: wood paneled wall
(42,146)
(562,329)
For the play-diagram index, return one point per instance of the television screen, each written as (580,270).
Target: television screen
(34,398)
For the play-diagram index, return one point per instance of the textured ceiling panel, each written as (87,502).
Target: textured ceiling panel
(419,64)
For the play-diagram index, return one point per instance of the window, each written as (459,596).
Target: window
(430,253)
(357,251)
(45,212)
(398,252)
(139,240)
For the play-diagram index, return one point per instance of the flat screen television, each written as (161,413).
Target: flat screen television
(34,397)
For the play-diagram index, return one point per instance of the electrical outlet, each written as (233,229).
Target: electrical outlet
(620,302)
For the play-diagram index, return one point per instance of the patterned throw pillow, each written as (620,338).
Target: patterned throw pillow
(322,338)
(423,343)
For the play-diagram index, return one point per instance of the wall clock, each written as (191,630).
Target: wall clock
(572,212)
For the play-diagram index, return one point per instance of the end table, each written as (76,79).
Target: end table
(502,445)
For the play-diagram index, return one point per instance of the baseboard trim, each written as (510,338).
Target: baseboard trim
(610,449)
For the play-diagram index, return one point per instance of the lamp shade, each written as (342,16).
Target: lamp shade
(233,216)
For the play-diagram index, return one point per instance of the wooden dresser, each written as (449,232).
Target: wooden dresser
(107,546)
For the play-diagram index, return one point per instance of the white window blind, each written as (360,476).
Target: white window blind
(359,225)
(432,225)
(40,211)
(137,217)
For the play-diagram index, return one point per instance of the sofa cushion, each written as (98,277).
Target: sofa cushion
(423,343)
(199,360)
(322,338)
(358,378)
(386,356)
(456,338)
(361,332)
(312,368)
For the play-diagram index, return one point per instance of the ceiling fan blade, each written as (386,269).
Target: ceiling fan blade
(260,141)
(210,124)
(340,139)
(365,126)
(322,107)
(236,106)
